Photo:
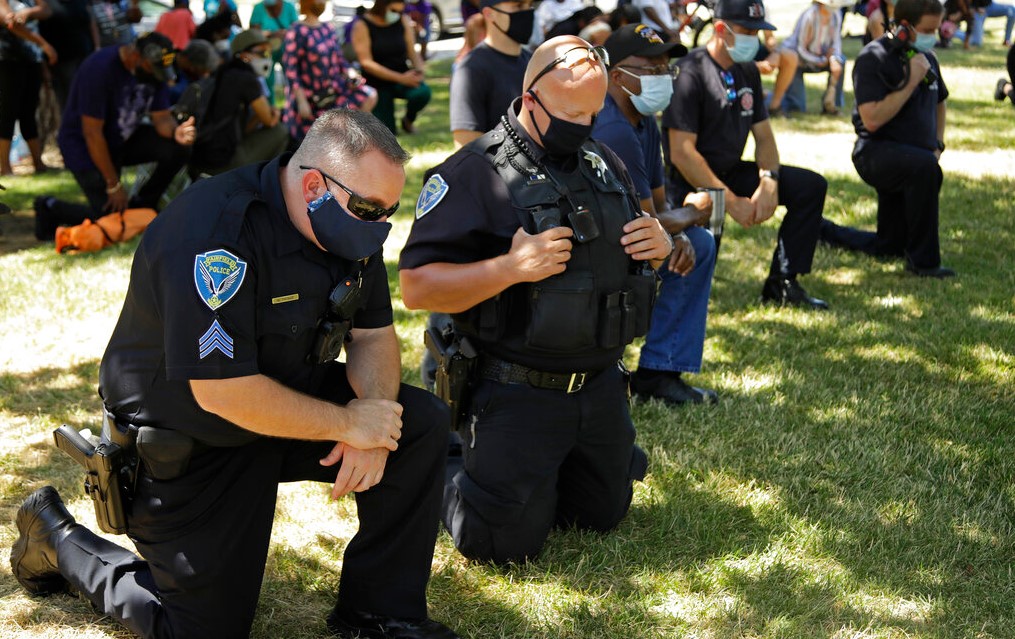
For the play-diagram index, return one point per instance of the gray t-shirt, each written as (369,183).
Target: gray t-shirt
(483,86)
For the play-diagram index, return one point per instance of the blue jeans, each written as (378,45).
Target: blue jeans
(676,336)
(993,10)
(796,96)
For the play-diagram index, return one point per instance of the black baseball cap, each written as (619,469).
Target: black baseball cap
(749,14)
(640,40)
(158,50)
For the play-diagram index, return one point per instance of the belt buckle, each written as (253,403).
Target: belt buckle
(576,382)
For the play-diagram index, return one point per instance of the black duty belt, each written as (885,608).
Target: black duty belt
(498,370)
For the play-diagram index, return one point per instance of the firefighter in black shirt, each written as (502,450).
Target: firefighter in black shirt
(717,102)
(900,124)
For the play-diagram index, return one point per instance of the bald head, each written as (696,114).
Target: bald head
(570,70)
(564,81)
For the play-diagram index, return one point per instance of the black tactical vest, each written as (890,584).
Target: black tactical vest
(582,318)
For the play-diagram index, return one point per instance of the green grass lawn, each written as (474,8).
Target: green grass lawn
(856,480)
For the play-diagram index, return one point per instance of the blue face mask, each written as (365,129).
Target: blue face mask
(925,42)
(656,91)
(745,47)
(342,234)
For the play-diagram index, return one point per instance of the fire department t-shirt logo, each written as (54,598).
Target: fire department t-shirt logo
(747,101)
(218,275)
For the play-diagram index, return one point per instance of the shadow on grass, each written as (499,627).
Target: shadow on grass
(299,592)
(65,392)
(884,424)
(880,431)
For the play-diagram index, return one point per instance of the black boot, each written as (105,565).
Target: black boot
(787,291)
(939,272)
(669,387)
(43,522)
(364,625)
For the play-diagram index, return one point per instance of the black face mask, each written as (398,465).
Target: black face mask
(561,137)
(342,234)
(519,24)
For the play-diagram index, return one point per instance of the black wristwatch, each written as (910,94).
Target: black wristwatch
(941,145)
(765,173)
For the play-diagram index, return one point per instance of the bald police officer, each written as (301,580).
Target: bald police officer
(240,297)
(532,238)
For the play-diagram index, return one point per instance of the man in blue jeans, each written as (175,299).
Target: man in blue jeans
(992,10)
(641,84)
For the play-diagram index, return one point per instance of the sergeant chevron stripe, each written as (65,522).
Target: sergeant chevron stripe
(215,338)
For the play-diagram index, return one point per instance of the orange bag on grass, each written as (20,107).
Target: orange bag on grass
(107,230)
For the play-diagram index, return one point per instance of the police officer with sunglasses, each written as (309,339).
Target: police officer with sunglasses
(220,379)
(532,238)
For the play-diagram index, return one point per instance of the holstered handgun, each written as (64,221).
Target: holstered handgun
(108,476)
(456,362)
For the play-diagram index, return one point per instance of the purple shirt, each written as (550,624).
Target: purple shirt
(105,90)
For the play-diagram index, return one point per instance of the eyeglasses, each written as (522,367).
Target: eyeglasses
(572,58)
(731,90)
(359,206)
(671,70)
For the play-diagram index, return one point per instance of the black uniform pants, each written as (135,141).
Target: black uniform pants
(204,536)
(801,191)
(535,458)
(908,182)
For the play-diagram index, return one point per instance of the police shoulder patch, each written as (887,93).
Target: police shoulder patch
(218,275)
(433,192)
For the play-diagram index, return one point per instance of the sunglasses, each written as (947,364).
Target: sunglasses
(671,70)
(731,91)
(359,206)
(572,58)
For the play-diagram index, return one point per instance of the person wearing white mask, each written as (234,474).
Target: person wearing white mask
(717,102)
(641,85)
(900,125)
(274,17)
(240,126)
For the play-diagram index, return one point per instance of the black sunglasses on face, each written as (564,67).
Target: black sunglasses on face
(573,57)
(359,206)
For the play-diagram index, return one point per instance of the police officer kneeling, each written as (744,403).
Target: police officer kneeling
(532,238)
(238,302)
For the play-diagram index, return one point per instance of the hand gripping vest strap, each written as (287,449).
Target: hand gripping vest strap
(603,300)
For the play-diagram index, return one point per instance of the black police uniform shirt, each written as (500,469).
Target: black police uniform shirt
(464,214)
(215,293)
(880,70)
(483,86)
(720,106)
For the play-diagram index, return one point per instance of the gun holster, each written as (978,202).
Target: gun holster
(165,453)
(110,470)
(456,364)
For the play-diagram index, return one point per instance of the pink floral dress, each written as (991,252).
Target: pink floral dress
(313,61)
